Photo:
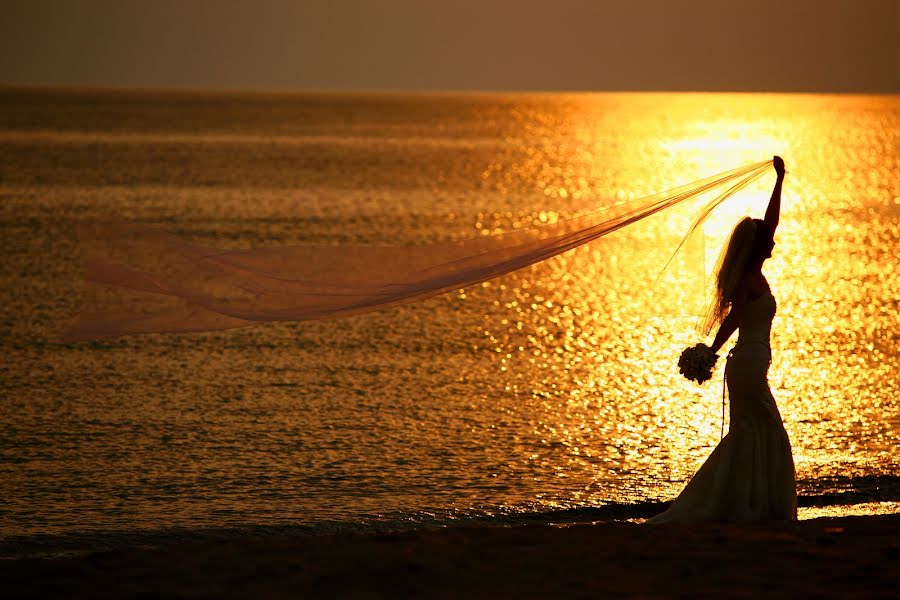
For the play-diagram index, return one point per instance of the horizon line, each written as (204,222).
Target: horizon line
(275,90)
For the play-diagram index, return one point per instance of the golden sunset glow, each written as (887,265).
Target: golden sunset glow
(554,387)
(589,345)
(388,299)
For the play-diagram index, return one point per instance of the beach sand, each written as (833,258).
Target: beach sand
(826,557)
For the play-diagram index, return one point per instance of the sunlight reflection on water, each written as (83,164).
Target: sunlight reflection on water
(849,510)
(553,387)
(834,274)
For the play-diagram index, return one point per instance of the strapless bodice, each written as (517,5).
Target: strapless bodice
(755,325)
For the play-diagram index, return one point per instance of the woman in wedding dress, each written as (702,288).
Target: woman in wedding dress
(750,474)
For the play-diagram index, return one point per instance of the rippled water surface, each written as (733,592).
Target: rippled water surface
(554,387)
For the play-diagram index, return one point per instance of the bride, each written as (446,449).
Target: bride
(750,474)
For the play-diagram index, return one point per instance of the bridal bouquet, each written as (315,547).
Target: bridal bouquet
(696,363)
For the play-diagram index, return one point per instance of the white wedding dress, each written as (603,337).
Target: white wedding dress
(750,474)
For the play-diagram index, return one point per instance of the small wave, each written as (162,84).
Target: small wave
(881,496)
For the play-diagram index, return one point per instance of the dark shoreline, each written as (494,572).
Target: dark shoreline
(825,557)
(83,542)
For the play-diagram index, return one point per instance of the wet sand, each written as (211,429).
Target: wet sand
(826,557)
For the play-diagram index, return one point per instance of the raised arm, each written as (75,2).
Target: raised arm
(773,211)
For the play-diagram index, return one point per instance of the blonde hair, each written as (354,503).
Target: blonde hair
(730,268)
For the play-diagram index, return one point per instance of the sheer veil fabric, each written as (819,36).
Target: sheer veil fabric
(154,282)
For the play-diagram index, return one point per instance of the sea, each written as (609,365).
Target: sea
(550,395)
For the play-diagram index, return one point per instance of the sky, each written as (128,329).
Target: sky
(521,45)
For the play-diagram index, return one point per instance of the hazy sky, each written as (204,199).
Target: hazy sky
(791,45)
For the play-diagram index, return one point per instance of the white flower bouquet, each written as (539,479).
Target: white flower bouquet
(696,363)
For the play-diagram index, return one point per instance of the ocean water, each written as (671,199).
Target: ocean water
(550,394)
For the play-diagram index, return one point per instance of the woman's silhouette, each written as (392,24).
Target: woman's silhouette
(750,474)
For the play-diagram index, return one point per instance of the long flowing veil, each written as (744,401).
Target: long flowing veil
(154,282)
